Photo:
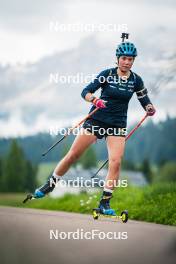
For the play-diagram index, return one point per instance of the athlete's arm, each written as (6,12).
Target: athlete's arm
(142,95)
(89,90)
(95,84)
(95,101)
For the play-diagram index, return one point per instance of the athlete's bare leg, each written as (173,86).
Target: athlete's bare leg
(80,144)
(115,147)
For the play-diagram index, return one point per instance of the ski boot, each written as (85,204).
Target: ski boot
(104,206)
(43,190)
(105,210)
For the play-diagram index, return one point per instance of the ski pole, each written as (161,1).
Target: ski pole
(127,137)
(70,130)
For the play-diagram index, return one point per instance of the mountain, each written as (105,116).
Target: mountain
(36,96)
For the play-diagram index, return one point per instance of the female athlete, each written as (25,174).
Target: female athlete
(117,87)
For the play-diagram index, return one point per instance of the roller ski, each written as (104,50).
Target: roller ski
(104,210)
(123,217)
(43,190)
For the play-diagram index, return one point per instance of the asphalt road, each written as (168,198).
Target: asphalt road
(41,236)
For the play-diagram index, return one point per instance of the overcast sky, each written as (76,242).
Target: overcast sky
(29,44)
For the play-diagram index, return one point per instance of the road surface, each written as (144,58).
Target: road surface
(40,236)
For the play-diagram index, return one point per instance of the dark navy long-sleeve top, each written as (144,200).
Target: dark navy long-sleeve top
(117,92)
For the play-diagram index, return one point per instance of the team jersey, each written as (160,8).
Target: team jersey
(117,91)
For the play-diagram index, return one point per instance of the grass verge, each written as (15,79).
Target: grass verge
(155,203)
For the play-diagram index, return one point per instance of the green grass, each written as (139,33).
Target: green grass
(155,203)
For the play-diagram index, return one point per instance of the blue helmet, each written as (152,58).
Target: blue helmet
(126,49)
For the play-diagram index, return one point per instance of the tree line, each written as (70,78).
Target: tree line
(17,173)
(155,142)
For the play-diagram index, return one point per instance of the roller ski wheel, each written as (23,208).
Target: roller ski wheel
(43,190)
(96,213)
(123,217)
(30,196)
(36,195)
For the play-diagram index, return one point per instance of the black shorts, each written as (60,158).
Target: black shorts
(101,129)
